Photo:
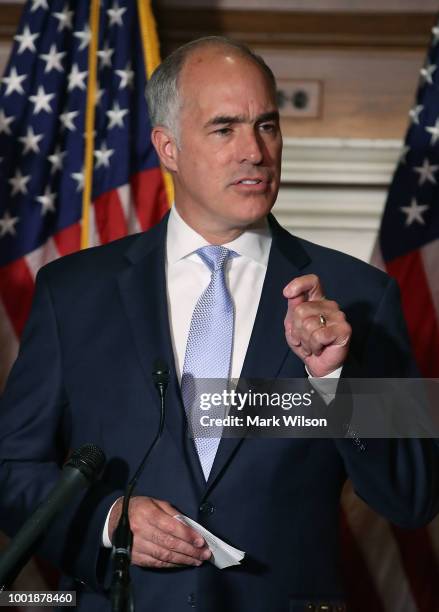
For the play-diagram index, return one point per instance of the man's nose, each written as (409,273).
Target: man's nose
(251,149)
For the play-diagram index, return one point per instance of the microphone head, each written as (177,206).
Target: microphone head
(160,374)
(89,460)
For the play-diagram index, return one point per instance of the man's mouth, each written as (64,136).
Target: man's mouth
(251,181)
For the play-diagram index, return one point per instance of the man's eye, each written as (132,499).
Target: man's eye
(223,131)
(268,127)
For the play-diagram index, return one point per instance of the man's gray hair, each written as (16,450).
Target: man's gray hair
(162,90)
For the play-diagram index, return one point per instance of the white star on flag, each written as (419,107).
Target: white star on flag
(67,120)
(13,82)
(105,56)
(415,112)
(84,36)
(115,14)
(434,131)
(76,78)
(53,59)
(414,212)
(116,115)
(79,178)
(435,32)
(427,73)
(41,101)
(7,224)
(126,77)
(47,201)
(31,141)
(64,18)
(19,182)
(26,40)
(36,4)
(56,159)
(103,156)
(426,172)
(5,122)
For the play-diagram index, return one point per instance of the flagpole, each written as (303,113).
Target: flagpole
(89,123)
(151,55)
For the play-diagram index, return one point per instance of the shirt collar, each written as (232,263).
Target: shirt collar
(182,240)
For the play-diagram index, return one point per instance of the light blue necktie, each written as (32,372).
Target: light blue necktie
(209,347)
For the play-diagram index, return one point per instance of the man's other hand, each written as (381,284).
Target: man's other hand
(315,328)
(159,539)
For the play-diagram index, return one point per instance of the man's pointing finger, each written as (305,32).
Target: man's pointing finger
(304,288)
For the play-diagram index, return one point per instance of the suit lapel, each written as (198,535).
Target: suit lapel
(142,288)
(143,291)
(267,349)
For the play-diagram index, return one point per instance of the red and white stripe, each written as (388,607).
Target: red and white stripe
(130,208)
(399,567)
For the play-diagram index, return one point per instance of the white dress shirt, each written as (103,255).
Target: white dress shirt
(187,277)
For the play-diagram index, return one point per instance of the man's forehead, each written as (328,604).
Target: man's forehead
(214,54)
(211,75)
(210,61)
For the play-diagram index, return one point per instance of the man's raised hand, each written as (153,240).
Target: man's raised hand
(316,329)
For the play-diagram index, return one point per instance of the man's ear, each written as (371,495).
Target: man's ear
(166,147)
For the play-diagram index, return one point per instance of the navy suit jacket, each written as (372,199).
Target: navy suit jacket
(99,321)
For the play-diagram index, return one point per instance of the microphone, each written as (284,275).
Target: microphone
(160,377)
(121,597)
(81,469)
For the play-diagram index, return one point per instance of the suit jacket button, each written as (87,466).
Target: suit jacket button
(191,600)
(207,508)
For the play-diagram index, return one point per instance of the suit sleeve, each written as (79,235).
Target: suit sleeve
(397,477)
(35,434)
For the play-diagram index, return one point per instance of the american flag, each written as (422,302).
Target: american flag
(391,569)
(43,102)
(43,168)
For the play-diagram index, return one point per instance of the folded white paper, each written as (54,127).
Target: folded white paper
(223,555)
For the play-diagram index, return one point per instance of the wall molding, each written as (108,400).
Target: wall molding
(333,191)
(362,6)
(344,161)
(289,29)
(10,13)
(179,22)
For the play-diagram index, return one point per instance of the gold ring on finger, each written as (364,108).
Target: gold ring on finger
(322,320)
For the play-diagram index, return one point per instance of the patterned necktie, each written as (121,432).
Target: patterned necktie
(209,347)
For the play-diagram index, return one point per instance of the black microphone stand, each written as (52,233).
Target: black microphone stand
(121,591)
(82,468)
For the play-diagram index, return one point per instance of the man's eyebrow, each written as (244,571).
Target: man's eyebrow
(223,119)
(271,116)
(227,119)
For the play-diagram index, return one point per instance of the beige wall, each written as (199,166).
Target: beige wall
(366,93)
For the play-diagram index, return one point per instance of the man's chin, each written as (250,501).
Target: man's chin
(250,215)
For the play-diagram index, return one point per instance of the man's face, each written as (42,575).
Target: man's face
(227,169)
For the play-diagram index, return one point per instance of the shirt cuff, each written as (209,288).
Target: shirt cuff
(326,386)
(106,542)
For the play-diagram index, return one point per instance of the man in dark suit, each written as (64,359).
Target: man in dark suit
(100,319)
